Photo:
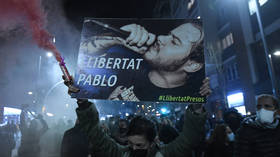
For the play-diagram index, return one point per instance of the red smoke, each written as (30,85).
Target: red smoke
(34,19)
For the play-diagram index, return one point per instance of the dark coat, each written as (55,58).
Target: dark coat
(74,143)
(256,141)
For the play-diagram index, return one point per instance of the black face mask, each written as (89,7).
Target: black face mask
(139,153)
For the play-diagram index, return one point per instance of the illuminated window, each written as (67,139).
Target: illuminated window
(235,100)
(227,41)
(253,6)
(11,111)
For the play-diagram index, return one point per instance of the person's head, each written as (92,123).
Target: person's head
(266,107)
(233,119)
(222,134)
(141,135)
(123,125)
(179,49)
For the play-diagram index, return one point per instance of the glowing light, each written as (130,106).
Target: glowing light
(49,54)
(127,114)
(249,113)
(269,55)
(67,105)
(109,115)
(50,114)
(102,118)
(53,39)
(241,109)
(123,103)
(30,93)
(277,53)
(44,109)
(198,17)
(11,111)
(163,110)
(235,100)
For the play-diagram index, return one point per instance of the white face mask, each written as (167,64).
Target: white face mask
(231,137)
(265,116)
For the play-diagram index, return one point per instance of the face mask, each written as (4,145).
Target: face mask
(231,137)
(139,153)
(265,116)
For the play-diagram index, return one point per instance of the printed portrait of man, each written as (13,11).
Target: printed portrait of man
(174,58)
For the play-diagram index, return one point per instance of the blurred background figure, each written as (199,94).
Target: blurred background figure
(233,119)
(220,143)
(75,143)
(31,134)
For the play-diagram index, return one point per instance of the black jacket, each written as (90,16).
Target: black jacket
(253,140)
(74,143)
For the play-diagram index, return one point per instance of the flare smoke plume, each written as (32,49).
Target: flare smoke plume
(34,20)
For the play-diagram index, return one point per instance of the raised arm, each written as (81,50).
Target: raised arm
(193,132)
(102,144)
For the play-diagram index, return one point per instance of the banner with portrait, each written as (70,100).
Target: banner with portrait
(141,60)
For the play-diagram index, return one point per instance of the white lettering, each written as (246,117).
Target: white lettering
(96,80)
(88,80)
(81,78)
(109,62)
(124,62)
(139,60)
(101,63)
(130,64)
(117,63)
(113,82)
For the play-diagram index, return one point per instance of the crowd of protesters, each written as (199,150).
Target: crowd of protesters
(188,134)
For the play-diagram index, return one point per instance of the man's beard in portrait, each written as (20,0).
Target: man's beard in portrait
(161,66)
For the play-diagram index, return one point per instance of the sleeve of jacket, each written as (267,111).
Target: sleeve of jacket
(242,146)
(102,144)
(191,135)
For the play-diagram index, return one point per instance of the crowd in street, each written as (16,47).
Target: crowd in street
(194,134)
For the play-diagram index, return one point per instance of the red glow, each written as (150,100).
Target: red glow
(34,19)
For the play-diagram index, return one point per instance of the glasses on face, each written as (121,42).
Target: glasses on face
(265,106)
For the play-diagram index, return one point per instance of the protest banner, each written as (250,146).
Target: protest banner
(141,60)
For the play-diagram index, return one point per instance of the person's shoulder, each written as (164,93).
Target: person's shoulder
(248,127)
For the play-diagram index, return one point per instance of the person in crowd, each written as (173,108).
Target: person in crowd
(259,135)
(233,119)
(52,139)
(120,135)
(167,133)
(75,143)
(7,141)
(30,135)
(220,143)
(141,134)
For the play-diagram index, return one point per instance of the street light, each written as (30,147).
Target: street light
(277,53)
(49,54)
